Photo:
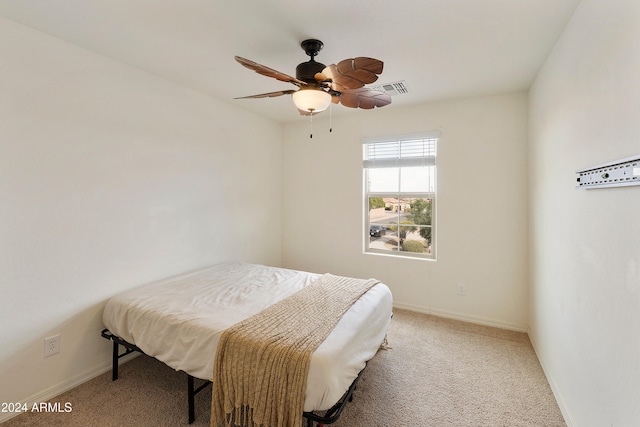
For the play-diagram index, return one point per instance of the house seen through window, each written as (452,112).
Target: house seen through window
(400,195)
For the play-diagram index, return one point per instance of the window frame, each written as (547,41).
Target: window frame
(399,163)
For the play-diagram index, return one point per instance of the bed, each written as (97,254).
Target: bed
(180,320)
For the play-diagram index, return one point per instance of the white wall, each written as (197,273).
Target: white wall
(585,256)
(111,177)
(481,206)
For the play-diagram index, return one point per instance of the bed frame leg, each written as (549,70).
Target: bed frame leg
(192,390)
(117,342)
(190,398)
(114,368)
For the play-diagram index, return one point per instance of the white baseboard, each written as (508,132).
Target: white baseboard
(465,318)
(556,392)
(55,390)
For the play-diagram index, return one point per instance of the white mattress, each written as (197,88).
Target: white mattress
(179,322)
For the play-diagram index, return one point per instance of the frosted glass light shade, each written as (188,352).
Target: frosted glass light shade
(314,100)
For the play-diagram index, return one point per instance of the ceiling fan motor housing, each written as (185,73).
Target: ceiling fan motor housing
(307,70)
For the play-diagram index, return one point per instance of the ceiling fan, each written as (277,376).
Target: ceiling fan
(320,85)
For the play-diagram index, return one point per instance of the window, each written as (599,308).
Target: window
(400,195)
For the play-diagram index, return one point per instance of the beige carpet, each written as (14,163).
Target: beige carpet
(439,372)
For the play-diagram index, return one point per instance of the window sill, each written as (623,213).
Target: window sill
(403,256)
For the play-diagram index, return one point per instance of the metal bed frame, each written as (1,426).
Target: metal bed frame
(330,416)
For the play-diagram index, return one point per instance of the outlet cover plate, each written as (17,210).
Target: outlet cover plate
(52,345)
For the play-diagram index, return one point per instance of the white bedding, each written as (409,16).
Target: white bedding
(179,322)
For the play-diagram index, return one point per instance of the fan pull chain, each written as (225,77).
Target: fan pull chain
(311,121)
(330,121)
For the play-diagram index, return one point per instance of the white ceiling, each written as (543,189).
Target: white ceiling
(440,48)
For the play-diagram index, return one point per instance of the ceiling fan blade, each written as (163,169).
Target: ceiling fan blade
(353,73)
(269,72)
(364,98)
(268,94)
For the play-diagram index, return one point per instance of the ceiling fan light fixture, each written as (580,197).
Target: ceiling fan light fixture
(312,100)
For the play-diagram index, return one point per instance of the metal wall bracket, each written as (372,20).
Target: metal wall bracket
(619,173)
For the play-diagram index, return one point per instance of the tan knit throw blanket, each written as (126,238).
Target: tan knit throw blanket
(262,363)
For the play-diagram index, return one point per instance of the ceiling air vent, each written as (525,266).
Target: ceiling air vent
(393,89)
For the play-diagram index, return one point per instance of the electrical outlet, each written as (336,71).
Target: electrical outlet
(462,289)
(52,345)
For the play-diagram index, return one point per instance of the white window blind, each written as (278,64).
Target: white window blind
(401,153)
